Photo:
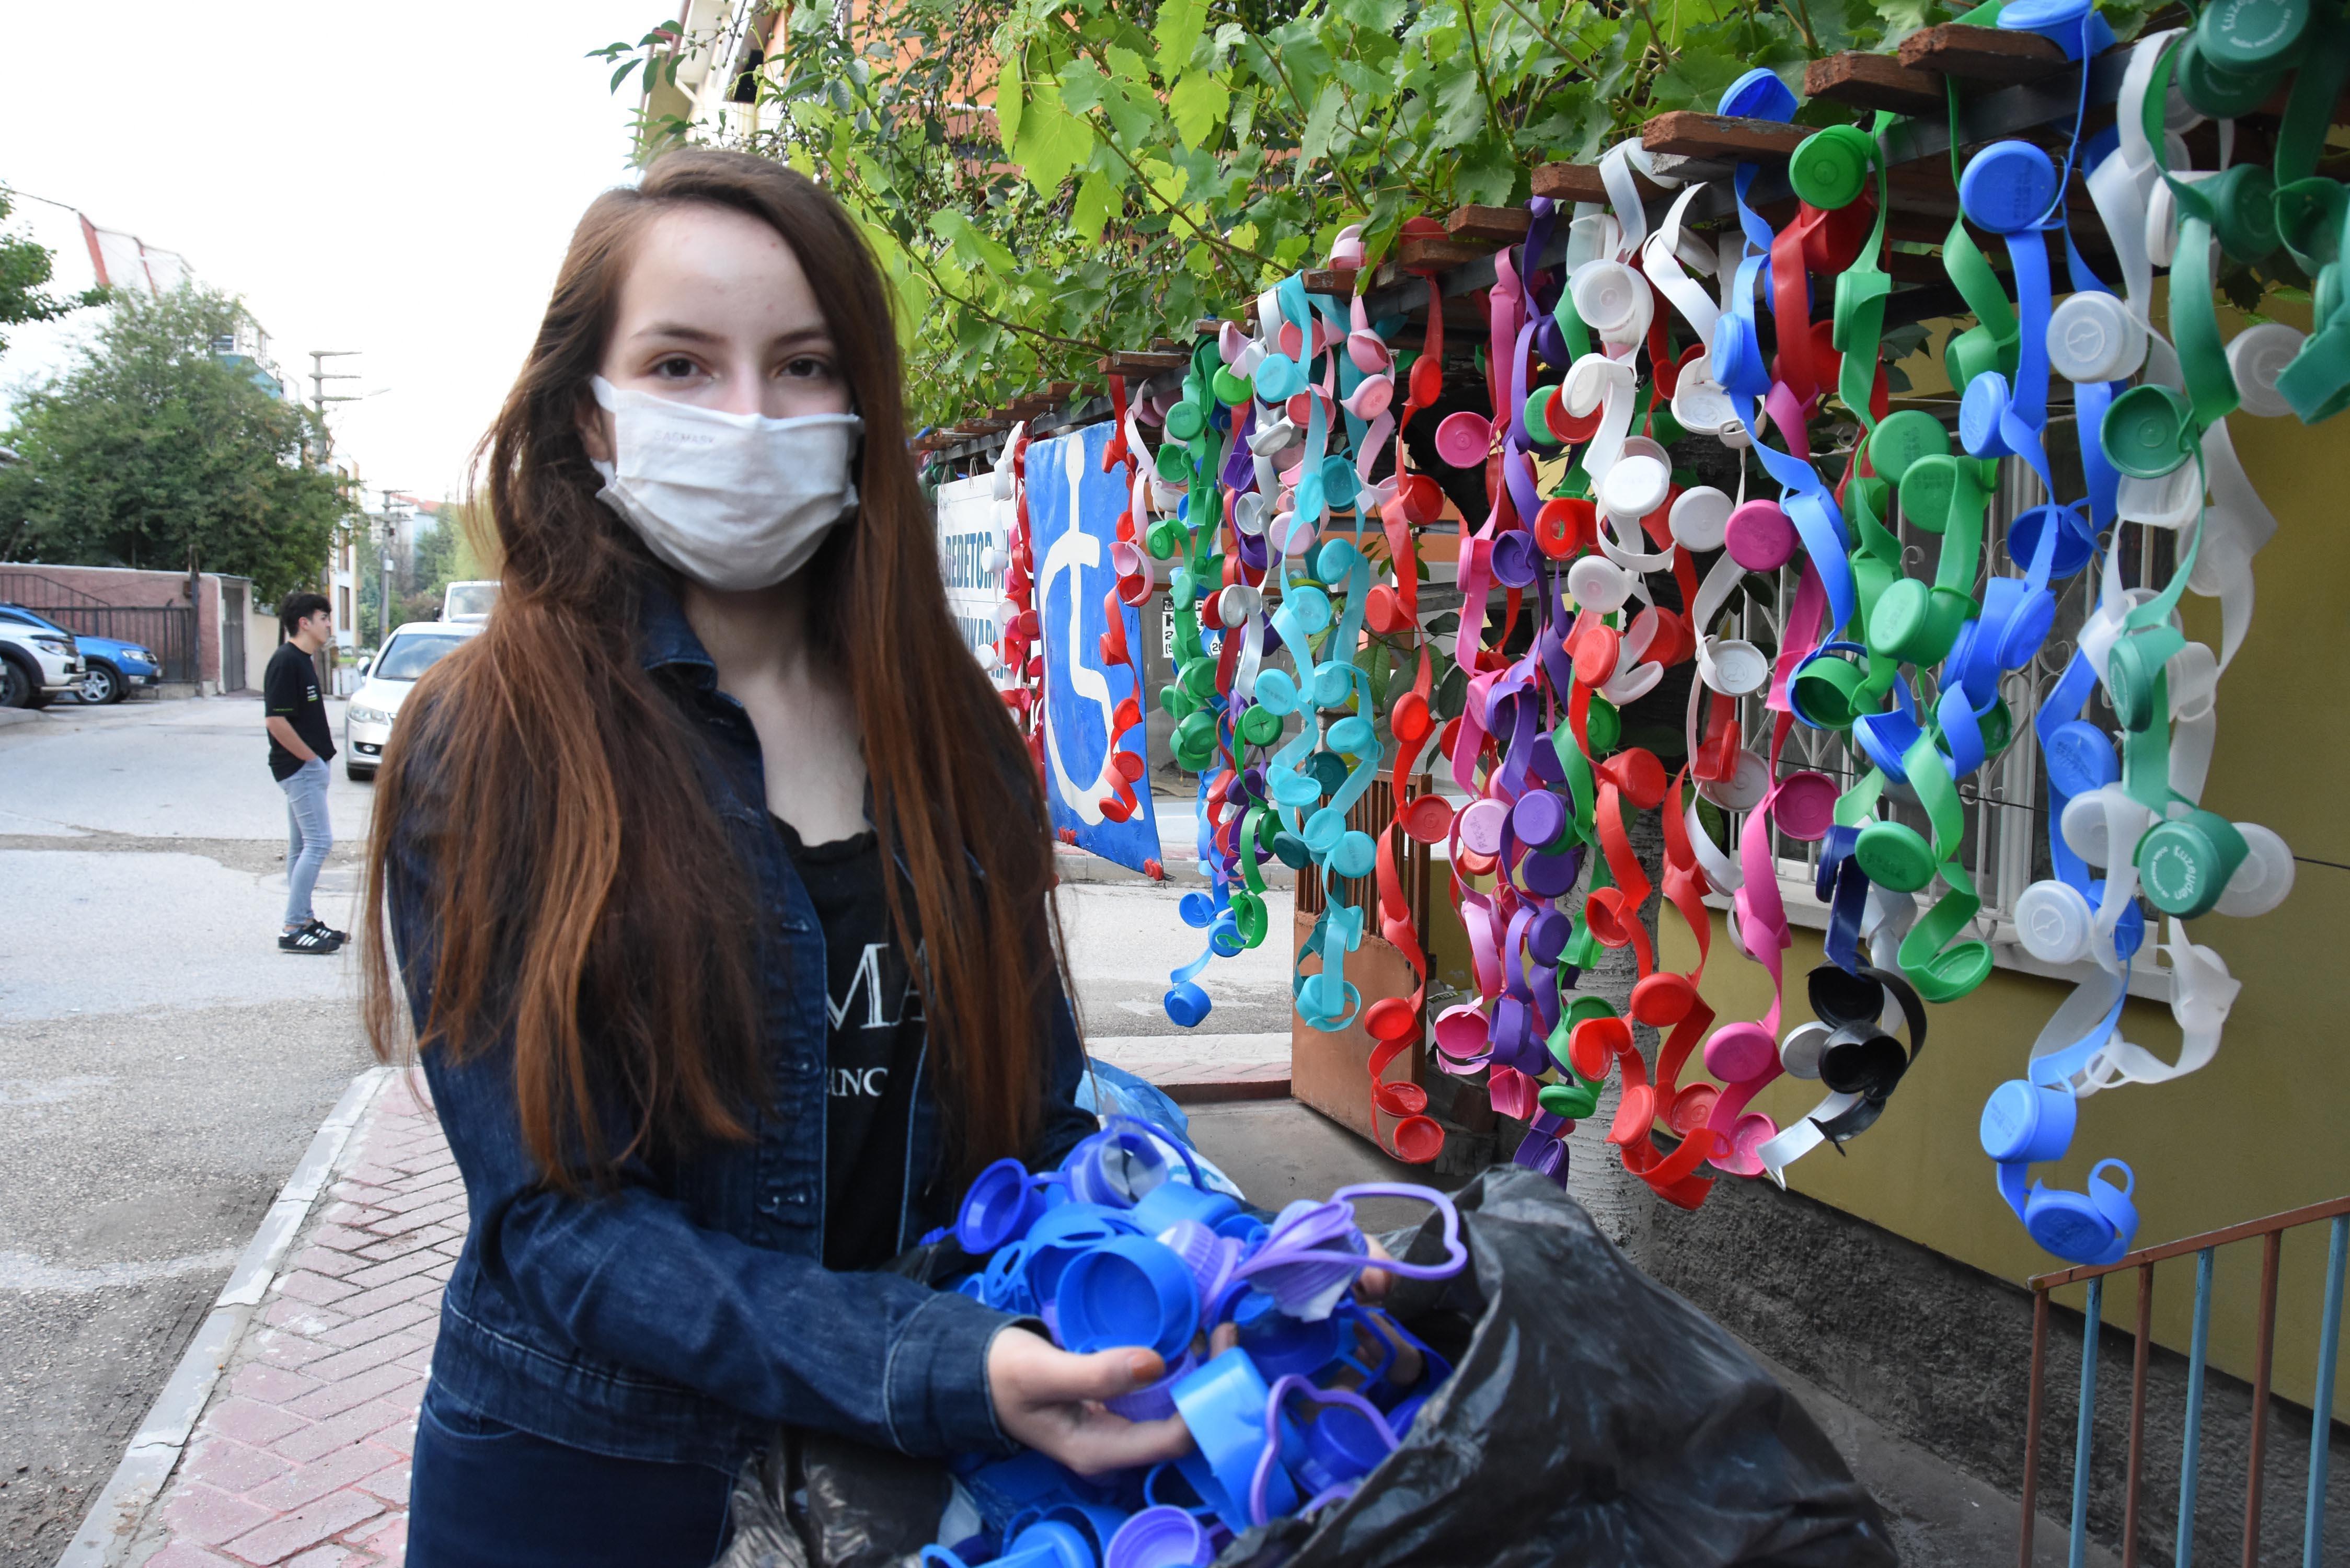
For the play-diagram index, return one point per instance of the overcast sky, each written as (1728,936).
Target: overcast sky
(398,179)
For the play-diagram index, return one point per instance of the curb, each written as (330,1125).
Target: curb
(154,1453)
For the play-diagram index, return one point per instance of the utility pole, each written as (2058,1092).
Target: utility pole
(319,377)
(383,568)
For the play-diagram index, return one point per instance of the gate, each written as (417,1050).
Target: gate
(169,631)
(234,593)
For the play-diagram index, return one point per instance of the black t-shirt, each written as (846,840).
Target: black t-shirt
(290,691)
(873,1047)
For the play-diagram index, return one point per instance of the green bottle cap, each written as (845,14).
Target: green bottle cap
(1930,486)
(1971,353)
(1538,428)
(1260,726)
(1830,167)
(1895,857)
(1826,691)
(2145,431)
(2317,383)
(2309,216)
(1174,462)
(2184,864)
(1901,439)
(2247,37)
(1604,727)
(2217,93)
(1231,391)
(1186,421)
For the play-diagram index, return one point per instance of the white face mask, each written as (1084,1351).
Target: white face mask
(735,502)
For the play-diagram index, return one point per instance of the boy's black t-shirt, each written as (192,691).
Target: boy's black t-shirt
(289,690)
(873,1047)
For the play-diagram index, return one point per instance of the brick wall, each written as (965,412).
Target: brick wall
(146,590)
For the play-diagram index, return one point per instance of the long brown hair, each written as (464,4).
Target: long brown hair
(583,894)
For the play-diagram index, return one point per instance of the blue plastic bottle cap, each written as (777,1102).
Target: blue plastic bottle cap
(1126,1290)
(2068,1224)
(1223,1405)
(1060,1234)
(2027,1123)
(2008,186)
(1343,1444)
(1758,95)
(2076,541)
(1159,1538)
(1169,1201)
(1000,1207)
(1282,1346)
(2032,15)
(1049,1543)
(1980,411)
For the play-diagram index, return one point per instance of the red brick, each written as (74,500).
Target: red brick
(249,1421)
(230,1465)
(301,1316)
(209,1516)
(328,1556)
(303,1285)
(375,1276)
(305,1527)
(377,1382)
(329,1472)
(389,1541)
(390,1484)
(179,1554)
(283,1348)
(349,1429)
(270,1385)
(384,1248)
(375,1353)
(341,1237)
(379,1312)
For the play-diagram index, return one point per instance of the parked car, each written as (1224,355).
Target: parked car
(36,663)
(407,654)
(470,600)
(111,668)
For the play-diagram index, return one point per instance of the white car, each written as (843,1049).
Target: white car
(470,600)
(407,654)
(36,663)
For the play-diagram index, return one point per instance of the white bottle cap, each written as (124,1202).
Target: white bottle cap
(2173,500)
(1743,790)
(1598,583)
(1635,487)
(2256,356)
(1699,517)
(2261,882)
(1734,666)
(2091,337)
(1799,1052)
(1612,299)
(2053,922)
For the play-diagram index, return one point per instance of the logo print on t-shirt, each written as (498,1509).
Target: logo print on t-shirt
(867,1083)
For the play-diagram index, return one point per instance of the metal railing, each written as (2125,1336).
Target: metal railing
(169,631)
(2271,1233)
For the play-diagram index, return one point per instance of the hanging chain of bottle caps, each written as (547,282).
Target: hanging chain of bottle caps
(1651,331)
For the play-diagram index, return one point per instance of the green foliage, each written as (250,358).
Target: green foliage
(148,449)
(1045,184)
(25,269)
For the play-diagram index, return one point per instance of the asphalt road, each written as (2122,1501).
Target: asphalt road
(162,1066)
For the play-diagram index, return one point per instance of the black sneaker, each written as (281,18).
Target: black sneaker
(313,938)
(320,926)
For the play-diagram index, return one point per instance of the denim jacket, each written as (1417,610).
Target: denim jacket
(686,1315)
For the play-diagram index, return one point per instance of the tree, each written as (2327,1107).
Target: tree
(151,451)
(25,269)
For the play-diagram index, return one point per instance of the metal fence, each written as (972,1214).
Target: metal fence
(168,631)
(2270,1234)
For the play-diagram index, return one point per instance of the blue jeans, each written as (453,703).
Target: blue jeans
(308,837)
(486,1495)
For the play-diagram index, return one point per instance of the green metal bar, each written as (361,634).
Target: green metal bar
(2194,1443)
(2329,1344)
(2079,1556)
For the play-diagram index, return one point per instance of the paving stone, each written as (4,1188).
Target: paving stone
(290,1534)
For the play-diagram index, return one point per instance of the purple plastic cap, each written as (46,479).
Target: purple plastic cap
(1159,1538)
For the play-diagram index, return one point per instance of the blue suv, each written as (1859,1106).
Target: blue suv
(112,668)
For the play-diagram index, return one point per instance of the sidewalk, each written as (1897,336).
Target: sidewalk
(300,1456)
(283,1438)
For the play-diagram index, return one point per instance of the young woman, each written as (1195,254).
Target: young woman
(718,887)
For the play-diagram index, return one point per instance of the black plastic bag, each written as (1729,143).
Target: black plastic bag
(1594,1418)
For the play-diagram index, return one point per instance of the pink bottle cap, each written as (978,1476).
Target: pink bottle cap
(1759,536)
(1463,439)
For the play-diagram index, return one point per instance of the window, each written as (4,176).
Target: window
(343,606)
(411,654)
(2005,845)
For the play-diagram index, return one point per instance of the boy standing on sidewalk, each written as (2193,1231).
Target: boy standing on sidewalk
(300,741)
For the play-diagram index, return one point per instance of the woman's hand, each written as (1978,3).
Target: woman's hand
(1051,1400)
